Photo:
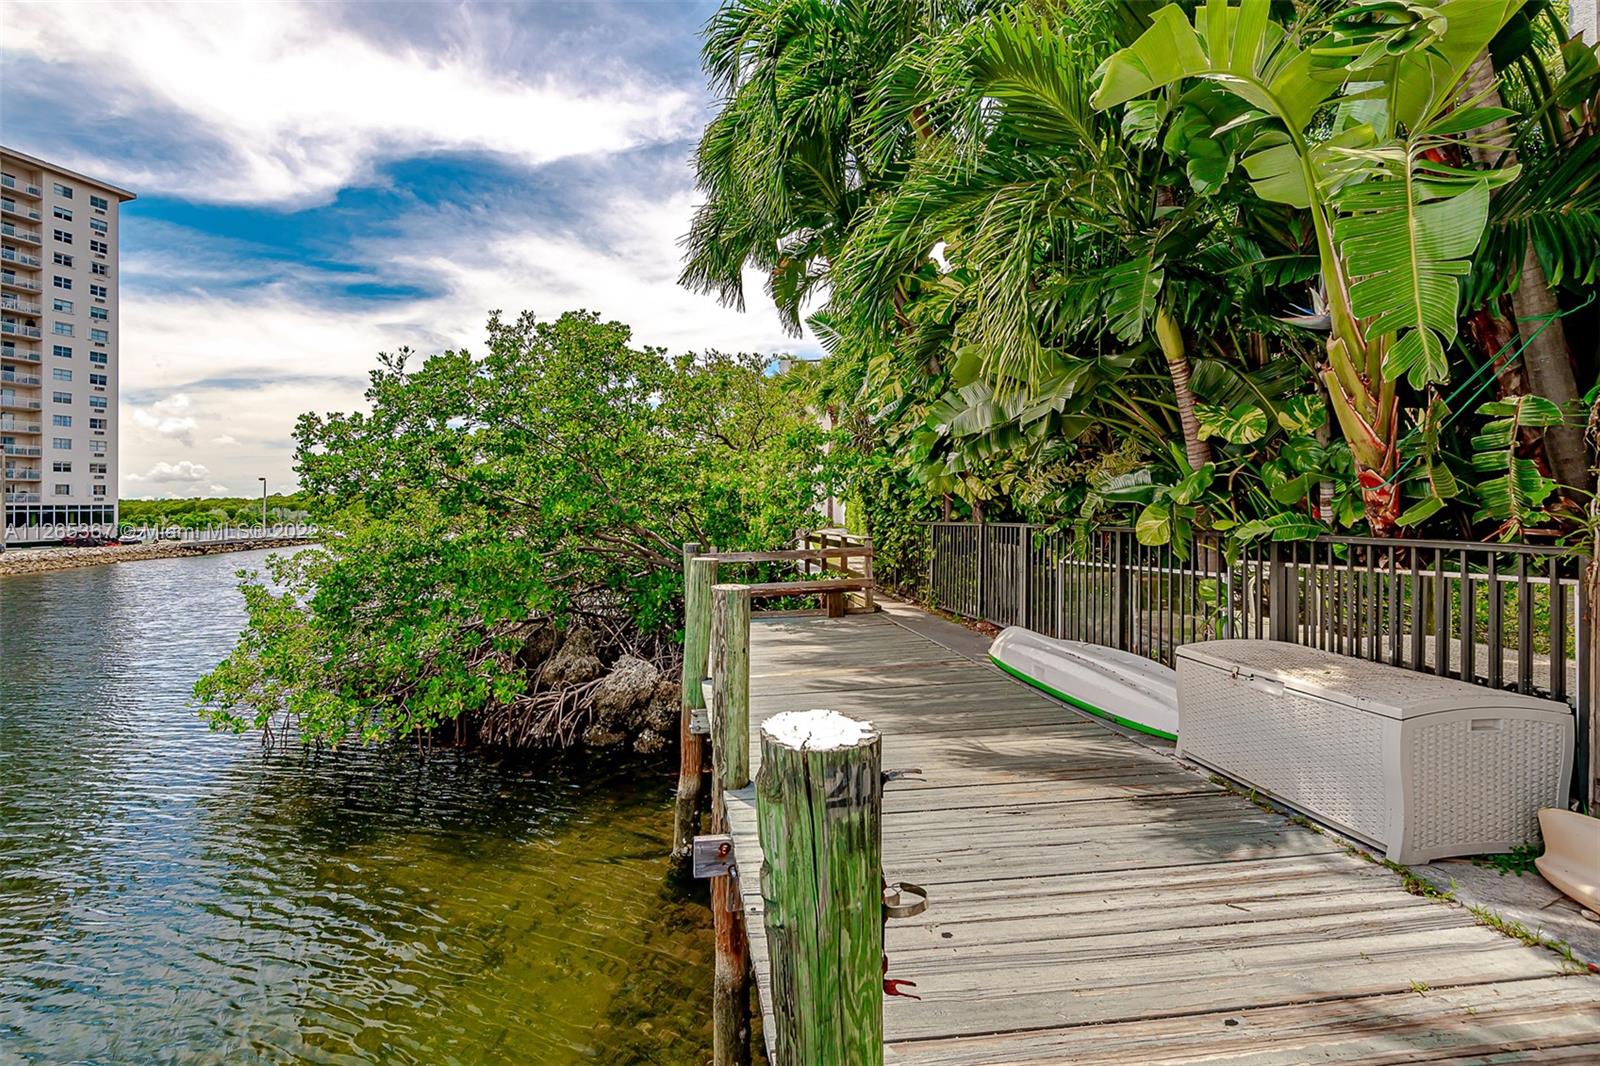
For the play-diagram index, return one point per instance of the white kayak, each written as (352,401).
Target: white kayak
(1117,685)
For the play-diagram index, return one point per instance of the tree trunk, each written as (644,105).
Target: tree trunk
(1170,336)
(1546,356)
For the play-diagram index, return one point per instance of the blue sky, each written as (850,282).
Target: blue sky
(319,182)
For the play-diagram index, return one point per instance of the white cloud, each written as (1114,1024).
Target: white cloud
(168,473)
(225,439)
(165,418)
(303,107)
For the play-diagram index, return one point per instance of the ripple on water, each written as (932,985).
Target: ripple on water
(167,894)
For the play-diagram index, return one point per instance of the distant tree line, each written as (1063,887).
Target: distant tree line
(197,512)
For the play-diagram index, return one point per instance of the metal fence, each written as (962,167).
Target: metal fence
(1504,615)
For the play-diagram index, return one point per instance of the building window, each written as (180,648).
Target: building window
(97,291)
(61,444)
(61,351)
(98,358)
(63,213)
(99,490)
(97,468)
(63,490)
(62,259)
(97,423)
(63,191)
(96,447)
(100,268)
(99,314)
(63,329)
(95,379)
(65,284)
(61,375)
(99,335)
(61,397)
(64,421)
(62,466)
(62,235)
(98,202)
(64,306)
(97,402)
(99,226)
(99,247)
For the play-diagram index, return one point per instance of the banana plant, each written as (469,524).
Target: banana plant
(1395,224)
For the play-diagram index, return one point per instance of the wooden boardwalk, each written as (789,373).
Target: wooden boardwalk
(1092,900)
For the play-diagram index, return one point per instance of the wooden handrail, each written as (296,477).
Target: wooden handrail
(791,555)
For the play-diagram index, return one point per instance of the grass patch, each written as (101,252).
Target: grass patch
(1519,860)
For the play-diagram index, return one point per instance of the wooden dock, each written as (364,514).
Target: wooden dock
(1093,900)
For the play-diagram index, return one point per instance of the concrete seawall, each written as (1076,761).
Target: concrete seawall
(38,560)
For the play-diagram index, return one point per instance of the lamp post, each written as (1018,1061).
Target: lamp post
(263,505)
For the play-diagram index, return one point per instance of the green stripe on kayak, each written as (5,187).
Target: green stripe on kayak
(1138,727)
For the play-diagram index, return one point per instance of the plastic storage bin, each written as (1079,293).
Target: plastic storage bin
(1419,765)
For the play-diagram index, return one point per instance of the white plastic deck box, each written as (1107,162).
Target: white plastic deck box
(1419,765)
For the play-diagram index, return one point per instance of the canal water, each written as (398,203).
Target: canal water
(172,895)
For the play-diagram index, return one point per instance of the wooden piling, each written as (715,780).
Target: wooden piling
(698,577)
(819,799)
(730,731)
(730,725)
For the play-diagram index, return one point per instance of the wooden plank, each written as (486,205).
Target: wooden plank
(791,555)
(1452,1025)
(804,588)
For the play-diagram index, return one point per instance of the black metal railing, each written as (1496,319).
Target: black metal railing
(1504,615)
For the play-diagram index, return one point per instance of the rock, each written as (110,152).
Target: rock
(631,684)
(538,645)
(575,663)
(661,713)
(599,736)
(649,742)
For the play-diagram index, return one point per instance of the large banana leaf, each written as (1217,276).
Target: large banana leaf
(1407,241)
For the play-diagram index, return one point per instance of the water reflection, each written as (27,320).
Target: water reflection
(170,895)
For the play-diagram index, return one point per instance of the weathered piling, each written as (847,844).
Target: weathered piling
(819,798)
(730,725)
(698,577)
(730,731)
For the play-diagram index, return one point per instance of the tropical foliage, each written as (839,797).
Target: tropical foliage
(1199,264)
(483,500)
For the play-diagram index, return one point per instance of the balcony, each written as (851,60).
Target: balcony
(11,377)
(21,474)
(11,352)
(21,307)
(8,280)
(9,207)
(22,259)
(17,329)
(28,236)
(25,188)
(10,401)
(13,426)
(22,497)
(27,450)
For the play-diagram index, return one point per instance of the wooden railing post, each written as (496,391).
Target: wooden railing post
(730,721)
(730,749)
(869,596)
(819,808)
(698,577)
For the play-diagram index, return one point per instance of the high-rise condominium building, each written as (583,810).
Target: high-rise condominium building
(58,349)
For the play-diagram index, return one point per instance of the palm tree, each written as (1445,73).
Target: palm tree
(783,165)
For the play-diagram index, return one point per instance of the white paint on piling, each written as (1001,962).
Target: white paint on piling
(817,730)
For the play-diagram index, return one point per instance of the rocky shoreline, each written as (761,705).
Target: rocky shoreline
(39,560)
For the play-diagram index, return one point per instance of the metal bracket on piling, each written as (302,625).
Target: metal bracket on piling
(903,775)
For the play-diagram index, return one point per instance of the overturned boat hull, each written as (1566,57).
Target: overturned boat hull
(1115,685)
